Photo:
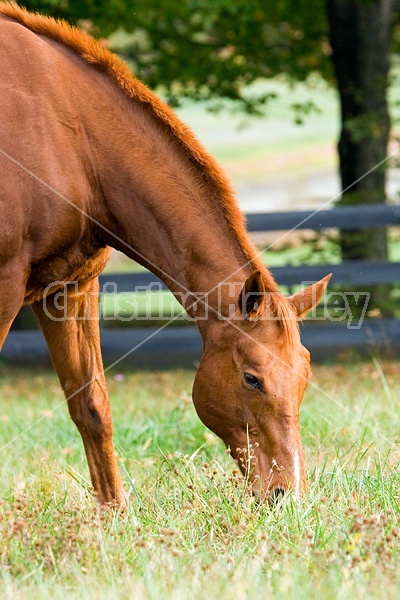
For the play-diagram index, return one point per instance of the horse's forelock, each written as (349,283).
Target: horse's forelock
(284,313)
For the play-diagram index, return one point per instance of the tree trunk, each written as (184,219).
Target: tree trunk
(360,39)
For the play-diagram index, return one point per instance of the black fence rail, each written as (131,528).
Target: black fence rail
(182,345)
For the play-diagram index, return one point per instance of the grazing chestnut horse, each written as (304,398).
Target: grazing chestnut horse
(89,159)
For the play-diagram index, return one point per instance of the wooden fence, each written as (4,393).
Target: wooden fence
(182,345)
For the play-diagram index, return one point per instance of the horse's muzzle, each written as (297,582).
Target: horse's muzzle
(273,498)
(276,495)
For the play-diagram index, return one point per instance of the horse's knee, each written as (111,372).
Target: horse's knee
(99,423)
(92,419)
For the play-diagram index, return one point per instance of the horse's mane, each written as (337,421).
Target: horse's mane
(101,58)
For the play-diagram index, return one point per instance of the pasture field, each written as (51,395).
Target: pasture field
(192,530)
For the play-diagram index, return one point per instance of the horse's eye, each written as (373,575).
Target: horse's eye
(252,380)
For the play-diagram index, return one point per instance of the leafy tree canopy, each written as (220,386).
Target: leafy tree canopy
(209,49)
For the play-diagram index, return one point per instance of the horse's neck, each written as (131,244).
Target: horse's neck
(160,211)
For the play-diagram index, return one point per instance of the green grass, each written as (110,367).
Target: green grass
(192,529)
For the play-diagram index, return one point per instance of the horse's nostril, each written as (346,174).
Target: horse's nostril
(277,495)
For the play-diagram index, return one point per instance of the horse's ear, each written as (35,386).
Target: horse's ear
(252,297)
(307,299)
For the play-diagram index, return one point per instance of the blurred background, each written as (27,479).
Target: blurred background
(298,101)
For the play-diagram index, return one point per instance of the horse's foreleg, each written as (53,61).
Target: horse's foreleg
(73,338)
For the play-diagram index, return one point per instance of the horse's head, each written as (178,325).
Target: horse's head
(251,382)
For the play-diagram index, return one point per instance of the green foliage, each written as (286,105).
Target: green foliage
(102,17)
(208,49)
(212,49)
